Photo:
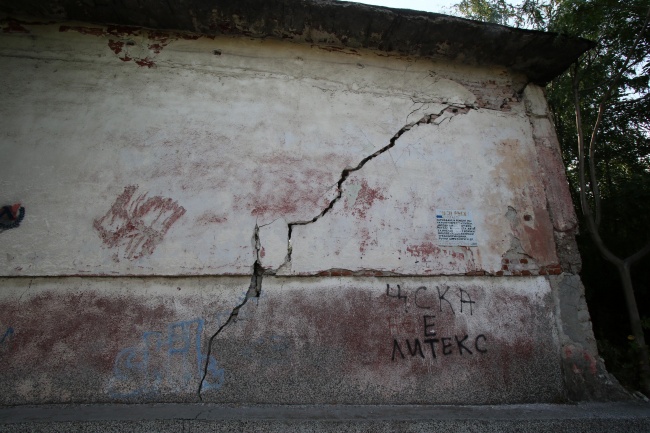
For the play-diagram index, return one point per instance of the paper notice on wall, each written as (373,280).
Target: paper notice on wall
(455,228)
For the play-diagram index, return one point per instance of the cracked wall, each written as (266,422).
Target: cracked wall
(255,221)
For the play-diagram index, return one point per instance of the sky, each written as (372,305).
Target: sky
(439,6)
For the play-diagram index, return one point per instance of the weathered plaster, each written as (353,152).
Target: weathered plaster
(252,220)
(192,179)
(480,160)
(329,25)
(303,340)
(100,339)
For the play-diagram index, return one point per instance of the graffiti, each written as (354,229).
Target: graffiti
(6,338)
(165,361)
(442,300)
(428,300)
(445,345)
(137,224)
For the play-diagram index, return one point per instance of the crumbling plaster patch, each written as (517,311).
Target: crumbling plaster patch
(584,372)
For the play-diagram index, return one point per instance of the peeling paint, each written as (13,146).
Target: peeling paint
(157,40)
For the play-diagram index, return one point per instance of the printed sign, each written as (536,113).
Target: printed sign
(455,228)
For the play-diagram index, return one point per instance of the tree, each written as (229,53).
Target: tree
(606,92)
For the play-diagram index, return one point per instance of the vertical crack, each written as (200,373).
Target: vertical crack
(446,113)
(254,291)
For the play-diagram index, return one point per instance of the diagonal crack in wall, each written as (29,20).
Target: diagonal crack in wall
(446,113)
(255,287)
(254,291)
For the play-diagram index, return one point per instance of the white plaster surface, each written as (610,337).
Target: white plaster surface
(482,161)
(274,241)
(131,170)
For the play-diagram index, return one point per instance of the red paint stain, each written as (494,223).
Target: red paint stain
(591,361)
(292,194)
(123,30)
(425,249)
(190,37)
(159,36)
(14,27)
(146,62)
(159,40)
(115,46)
(539,238)
(77,322)
(139,224)
(365,199)
(94,31)
(210,218)
(366,240)
(156,48)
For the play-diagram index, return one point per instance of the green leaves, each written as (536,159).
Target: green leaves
(614,78)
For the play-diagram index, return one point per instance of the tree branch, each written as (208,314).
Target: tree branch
(586,209)
(595,189)
(638,255)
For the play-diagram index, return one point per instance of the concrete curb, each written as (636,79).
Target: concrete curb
(583,417)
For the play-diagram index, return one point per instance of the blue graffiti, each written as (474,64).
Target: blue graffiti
(7,335)
(170,361)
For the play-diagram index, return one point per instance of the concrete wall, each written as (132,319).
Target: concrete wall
(259,221)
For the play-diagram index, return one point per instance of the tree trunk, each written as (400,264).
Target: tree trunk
(635,323)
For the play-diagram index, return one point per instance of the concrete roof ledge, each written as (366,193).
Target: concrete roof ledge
(538,55)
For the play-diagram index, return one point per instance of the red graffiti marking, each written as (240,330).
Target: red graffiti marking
(139,224)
